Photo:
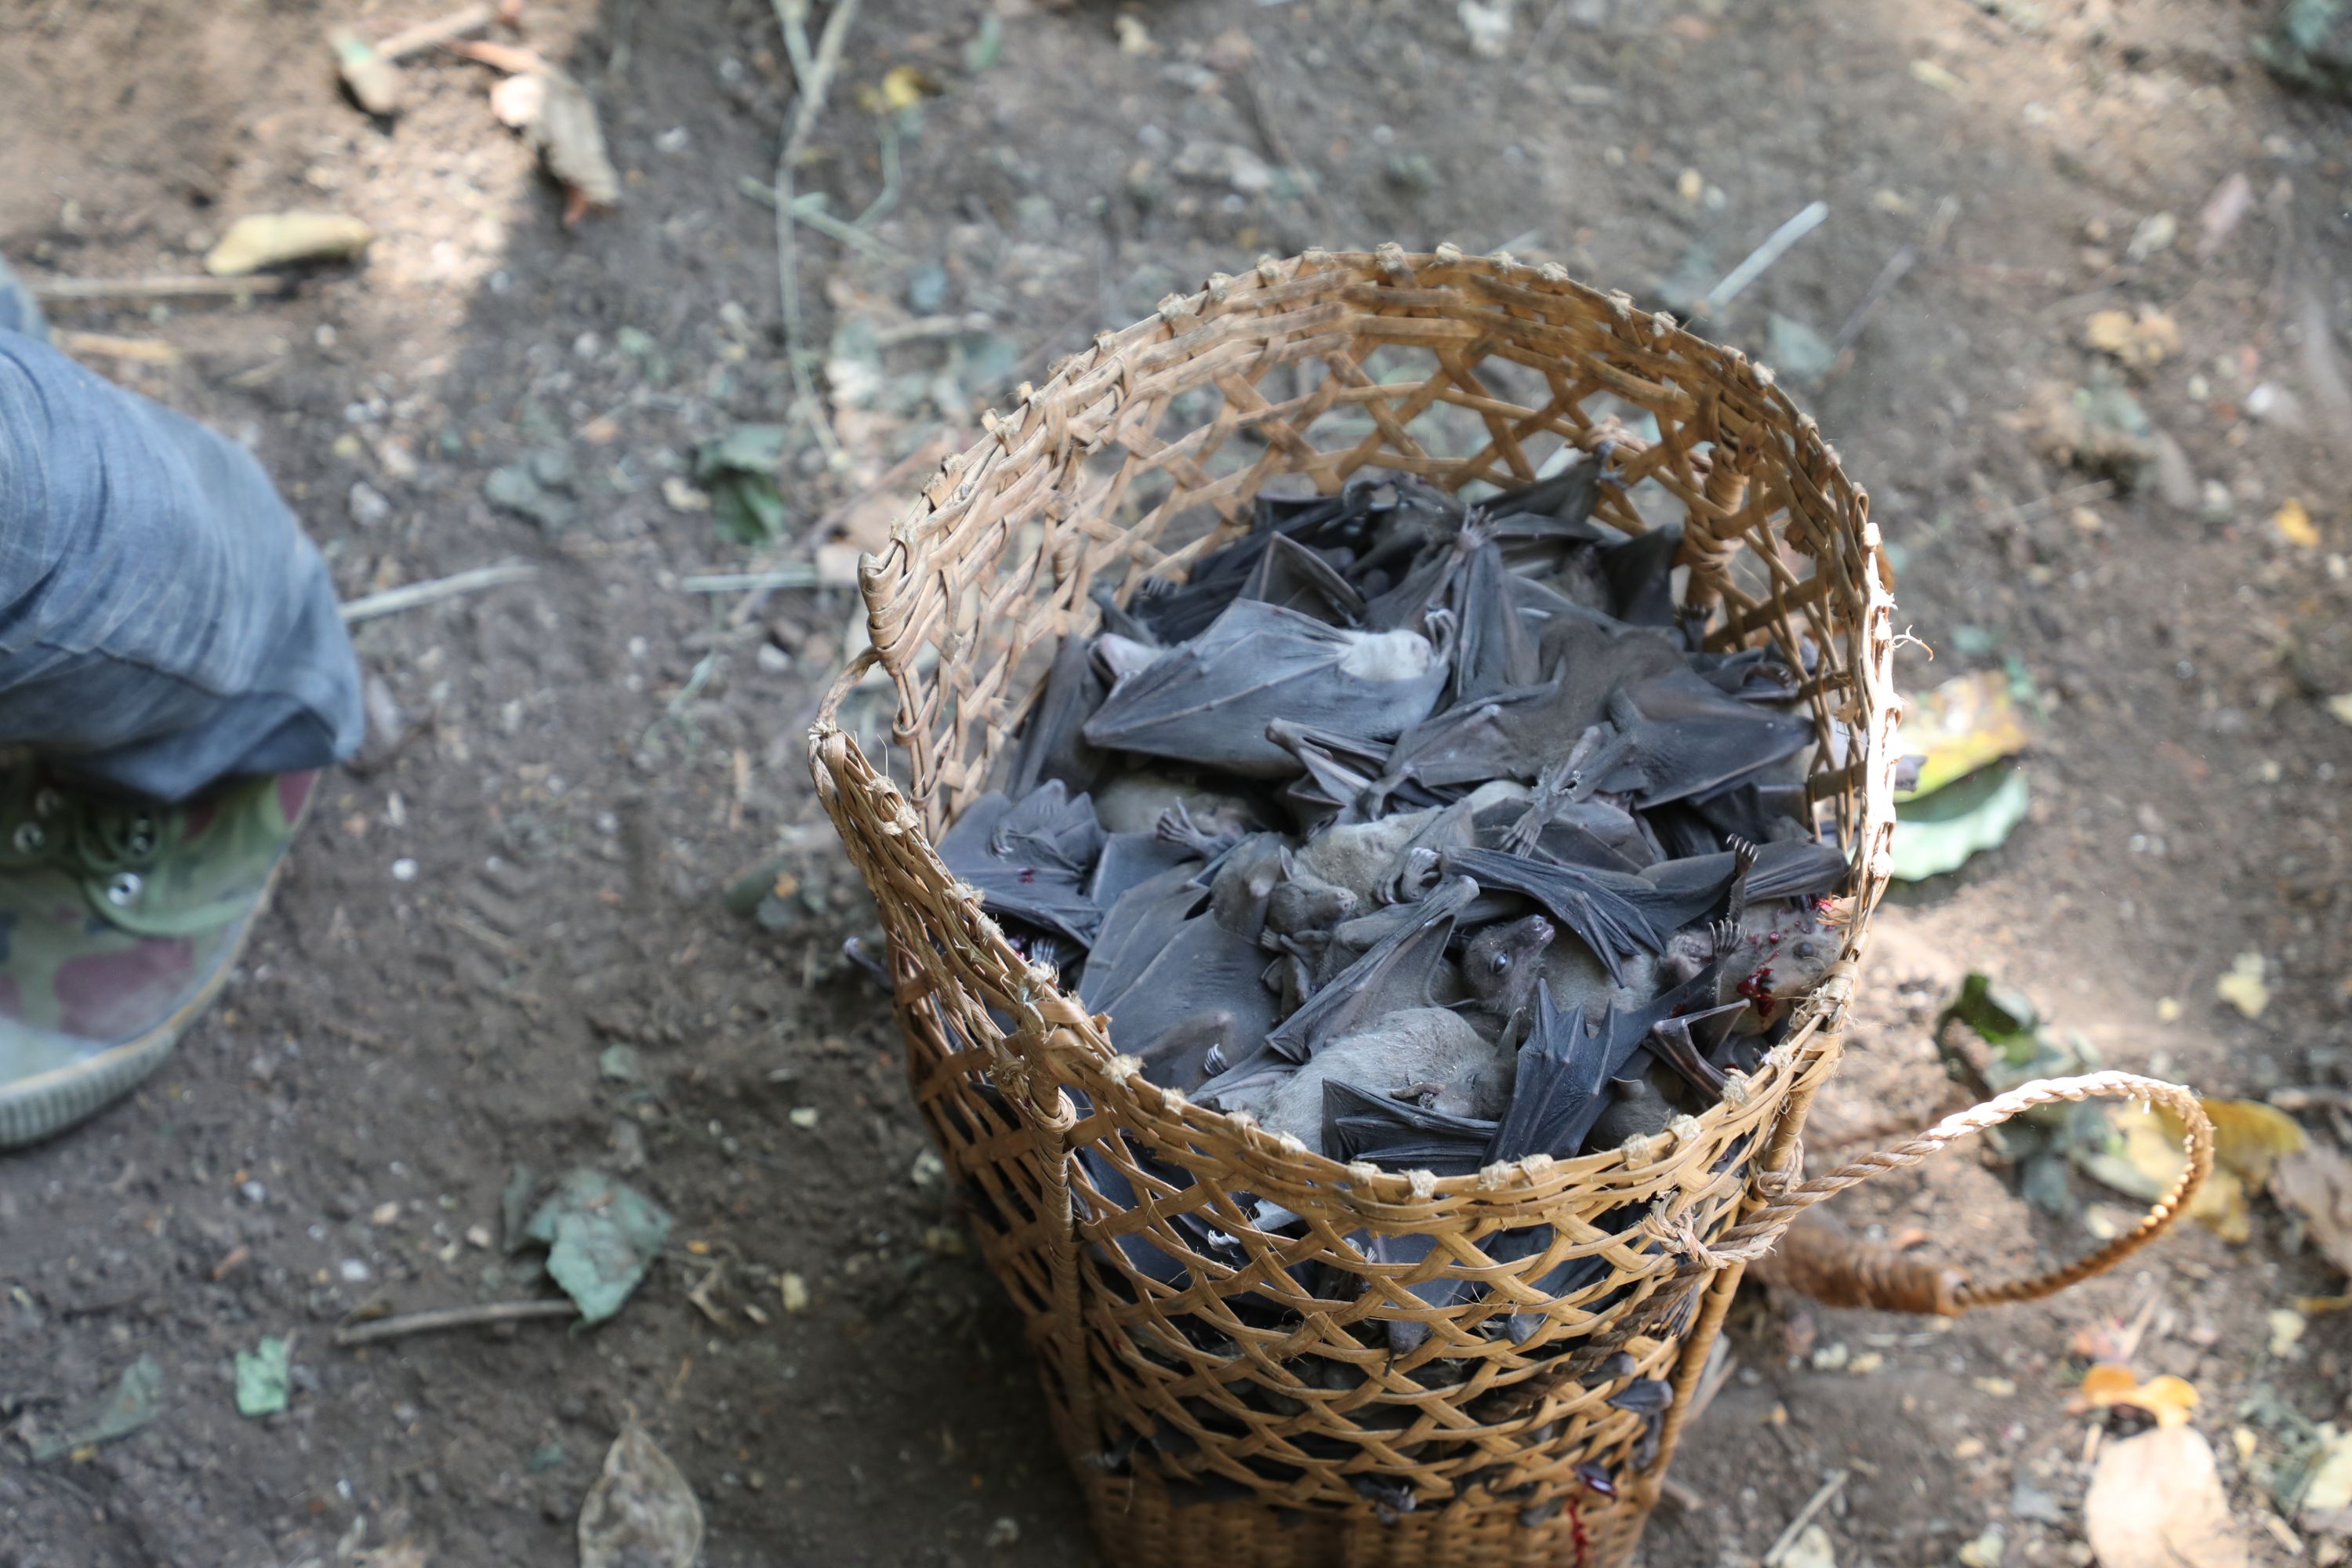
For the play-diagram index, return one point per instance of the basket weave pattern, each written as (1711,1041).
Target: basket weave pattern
(1267,1386)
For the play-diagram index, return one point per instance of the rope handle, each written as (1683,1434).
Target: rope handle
(1785,1199)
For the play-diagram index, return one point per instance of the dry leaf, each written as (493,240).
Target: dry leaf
(2341,706)
(640,1513)
(1134,39)
(2316,1184)
(1959,727)
(2168,1398)
(1932,75)
(2329,1490)
(2140,342)
(2242,987)
(2295,524)
(2155,1501)
(273,239)
(903,86)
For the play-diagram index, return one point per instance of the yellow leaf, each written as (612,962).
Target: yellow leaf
(2242,987)
(1959,727)
(903,86)
(2168,1398)
(1936,77)
(273,239)
(2249,1136)
(2296,525)
(2147,1158)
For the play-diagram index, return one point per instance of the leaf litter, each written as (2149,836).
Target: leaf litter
(640,1513)
(601,1235)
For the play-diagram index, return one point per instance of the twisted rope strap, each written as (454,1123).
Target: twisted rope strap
(1786,1198)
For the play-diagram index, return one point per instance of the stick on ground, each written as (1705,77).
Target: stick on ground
(392,601)
(441,1318)
(170,286)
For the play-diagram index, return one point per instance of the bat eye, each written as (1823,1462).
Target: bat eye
(1500,963)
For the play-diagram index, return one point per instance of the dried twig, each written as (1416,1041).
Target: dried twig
(1873,297)
(1269,131)
(105,345)
(442,1318)
(816,82)
(1775,247)
(800,574)
(166,286)
(392,601)
(1820,1499)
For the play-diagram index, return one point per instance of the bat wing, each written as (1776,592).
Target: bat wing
(1589,833)
(1289,574)
(1030,859)
(1135,930)
(1398,1134)
(1603,908)
(1202,992)
(1495,653)
(1051,745)
(1130,860)
(1561,1086)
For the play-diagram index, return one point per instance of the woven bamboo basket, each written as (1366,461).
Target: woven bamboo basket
(1250,1416)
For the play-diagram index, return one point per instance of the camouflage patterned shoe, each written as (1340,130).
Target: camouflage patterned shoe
(118,921)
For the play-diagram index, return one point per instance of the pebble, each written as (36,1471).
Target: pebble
(1005,1531)
(254,1193)
(804,1116)
(927,291)
(355,1272)
(367,505)
(404,870)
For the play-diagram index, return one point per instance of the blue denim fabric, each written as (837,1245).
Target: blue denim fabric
(163,622)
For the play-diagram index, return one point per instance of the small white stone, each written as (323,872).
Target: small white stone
(404,870)
(355,1272)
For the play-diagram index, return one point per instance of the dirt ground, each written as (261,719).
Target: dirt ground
(525,868)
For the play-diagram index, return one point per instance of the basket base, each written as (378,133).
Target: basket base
(1137,1524)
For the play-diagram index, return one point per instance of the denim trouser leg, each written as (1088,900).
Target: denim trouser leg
(163,622)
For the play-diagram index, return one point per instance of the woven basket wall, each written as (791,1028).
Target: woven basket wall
(1200,1435)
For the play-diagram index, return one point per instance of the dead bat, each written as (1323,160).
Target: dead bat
(1398,1134)
(1675,736)
(1181,985)
(1363,856)
(1751,674)
(1134,801)
(1117,622)
(1501,968)
(1640,574)
(1395,975)
(1209,702)
(1432,1054)
(1051,745)
(1030,860)
(1517,733)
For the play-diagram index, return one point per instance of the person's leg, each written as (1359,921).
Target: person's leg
(171,659)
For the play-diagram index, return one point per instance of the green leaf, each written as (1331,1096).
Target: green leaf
(1937,833)
(2003,1015)
(747,448)
(747,507)
(135,1399)
(980,55)
(261,1377)
(601,1235)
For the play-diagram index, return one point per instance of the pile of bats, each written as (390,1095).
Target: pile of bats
(1428,834)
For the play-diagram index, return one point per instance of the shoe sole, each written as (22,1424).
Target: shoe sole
(47,1103)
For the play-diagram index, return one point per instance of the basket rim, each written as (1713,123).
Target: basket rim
(1384,1198)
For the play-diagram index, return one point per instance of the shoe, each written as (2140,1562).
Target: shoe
(119,922)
